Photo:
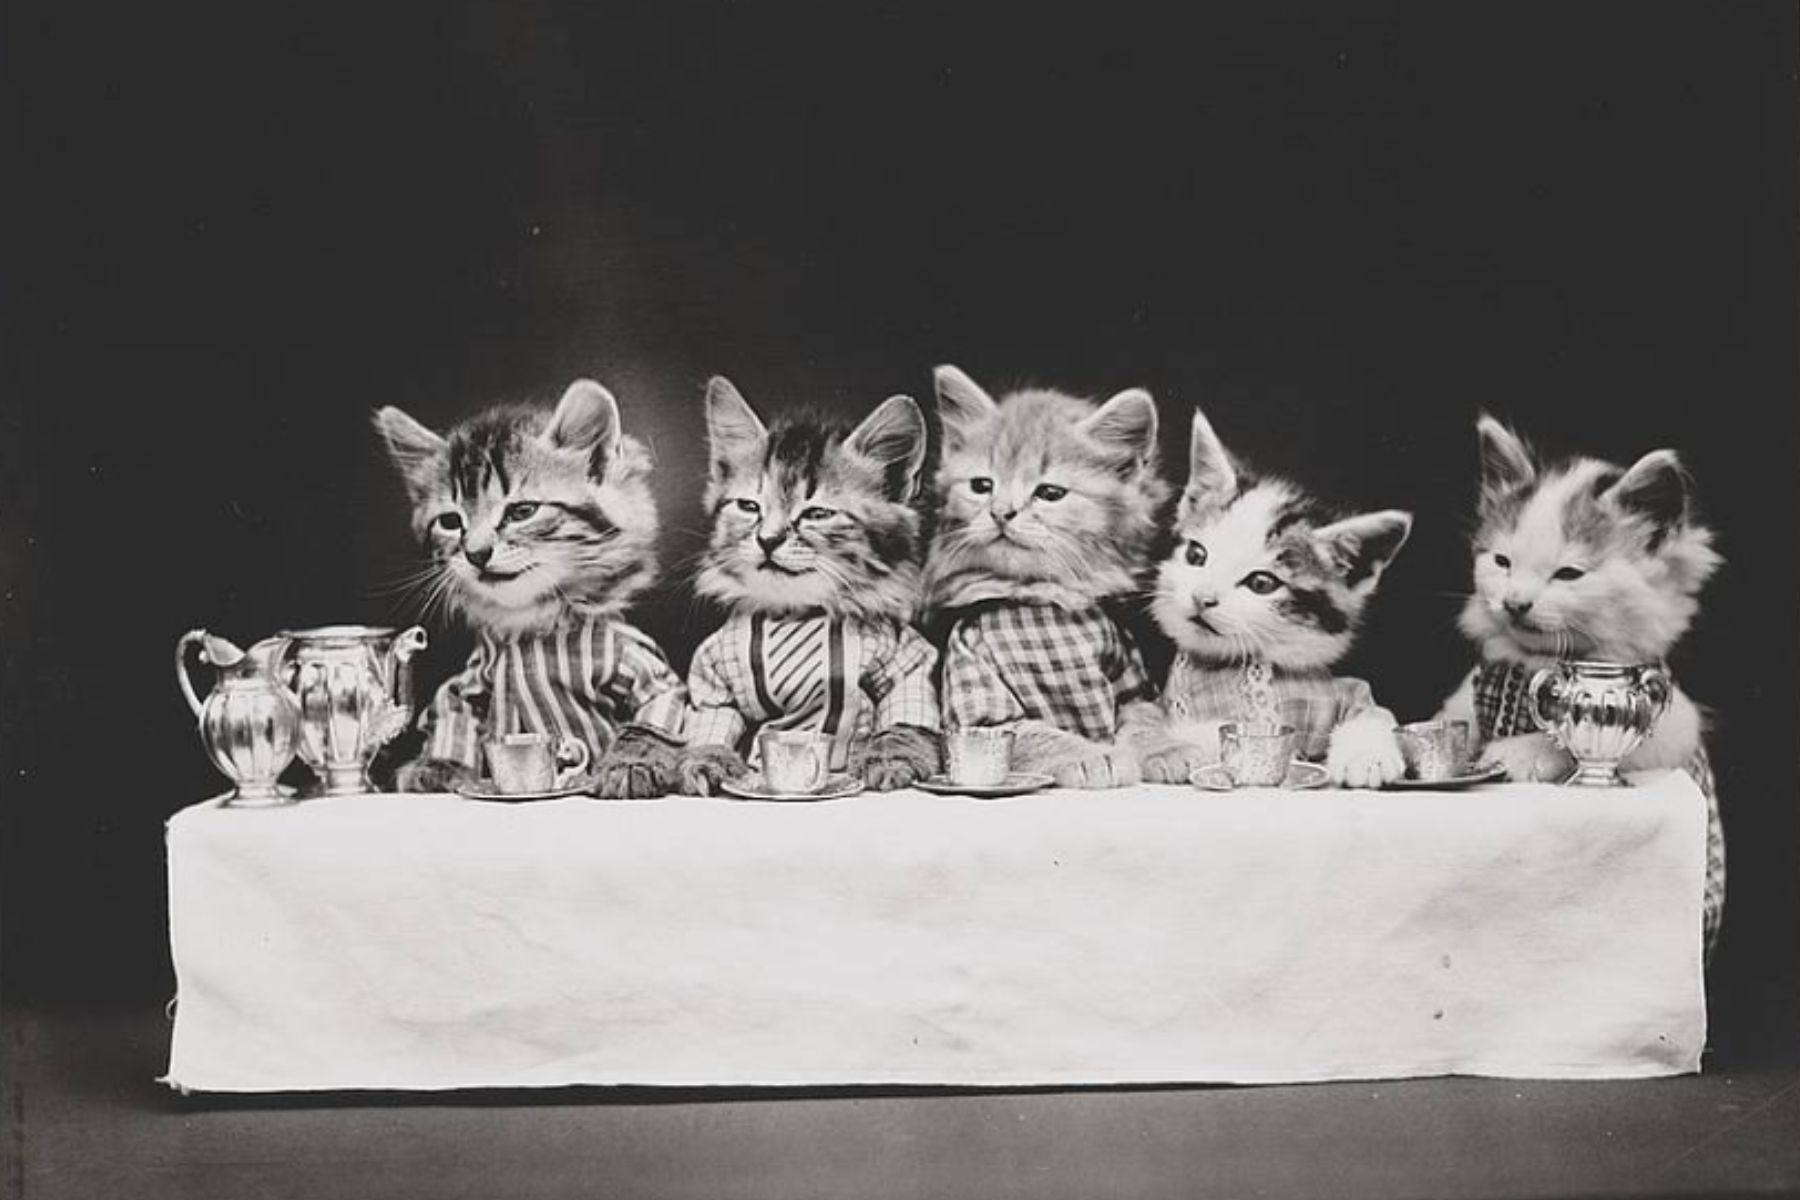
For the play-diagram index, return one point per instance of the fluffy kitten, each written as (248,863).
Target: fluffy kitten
(1262,594)
(1584,559)
(1047,504)
(541,528)
(815,549)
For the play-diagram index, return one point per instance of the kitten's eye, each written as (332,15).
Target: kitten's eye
(817,513)
(749,506)
(448,522)
(1261,582)
(1568,574)
(1196,554)
(1050,492)
(521,510)
(981,485)
(1503,562)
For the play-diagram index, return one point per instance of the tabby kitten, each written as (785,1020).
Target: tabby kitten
(1047,504)
(541,528)
(1262,594)
(815,549)
(1585,560)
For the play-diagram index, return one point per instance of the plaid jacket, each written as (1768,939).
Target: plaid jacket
(1200,691)
(1502,710)
(1073,670)
(585,682)
(847,677)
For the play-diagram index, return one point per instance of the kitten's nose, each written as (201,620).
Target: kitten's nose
(1208,602)
(770,544)
(1005,517)
(478,555)
(1516,608)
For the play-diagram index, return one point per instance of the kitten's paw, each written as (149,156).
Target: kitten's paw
(434,775)
(701,769)
(1102,767)
(897,758)
(1530,758)
(1176,764)
(640,766)
(1364,754)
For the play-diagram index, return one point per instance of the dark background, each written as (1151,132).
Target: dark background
(231,232)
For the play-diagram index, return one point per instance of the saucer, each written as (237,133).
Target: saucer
(485,790)
(1479,773)
(1016,784)
(750,787)
(1300,776)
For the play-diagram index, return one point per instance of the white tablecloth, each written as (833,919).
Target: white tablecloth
(1151,935)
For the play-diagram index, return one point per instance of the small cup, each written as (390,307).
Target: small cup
(535,762)
(795,762)
(1256,753)
(1313,719)
(1434,750)
(979,756)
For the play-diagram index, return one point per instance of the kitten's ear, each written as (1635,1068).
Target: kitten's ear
(1655,489)
(962,404)
(586,418)
(412,447)
(1506,462)
(1211,473)
(1363,545)
(893,437)
(1126,424)
(733,430)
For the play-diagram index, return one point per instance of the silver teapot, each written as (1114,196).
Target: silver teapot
(250,721)
(354,687)
(1598,712)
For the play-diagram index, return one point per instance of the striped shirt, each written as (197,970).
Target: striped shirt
(1011,662)
(585,682)
(1503,710)
(847,677)
(1199,691)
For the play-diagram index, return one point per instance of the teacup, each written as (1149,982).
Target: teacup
(1256,753)
(535,762)
(1435,750)
(978,756)
(794,761)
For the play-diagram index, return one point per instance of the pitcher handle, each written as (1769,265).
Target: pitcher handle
(191,637)
(572,760)
(1534,696)
(1660,687)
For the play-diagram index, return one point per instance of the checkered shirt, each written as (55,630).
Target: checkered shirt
(1502,710)
(585,681)
(1011,662)
(845,676)
(1201,691)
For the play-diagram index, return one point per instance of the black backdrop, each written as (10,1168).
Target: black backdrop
(1343,230)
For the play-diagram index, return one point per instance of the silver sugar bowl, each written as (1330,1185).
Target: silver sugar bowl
(354,686)
(1598,712)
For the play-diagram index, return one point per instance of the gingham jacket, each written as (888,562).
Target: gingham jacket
(1502,710)
(845,676)
(585,681)
(1011,662)
(1200,691)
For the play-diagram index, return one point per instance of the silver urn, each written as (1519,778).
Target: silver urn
(354,688)
(1598,712)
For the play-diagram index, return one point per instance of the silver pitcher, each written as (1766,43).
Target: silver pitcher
(1598,712)
(250,722)
(354,684)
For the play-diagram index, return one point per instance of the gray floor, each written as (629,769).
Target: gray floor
(84,1120)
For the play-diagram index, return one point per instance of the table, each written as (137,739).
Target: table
(1146,935)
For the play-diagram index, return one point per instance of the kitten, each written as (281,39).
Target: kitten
(815,548)
(1047,504)
(1262,594)
(541,528)
(1584,560)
